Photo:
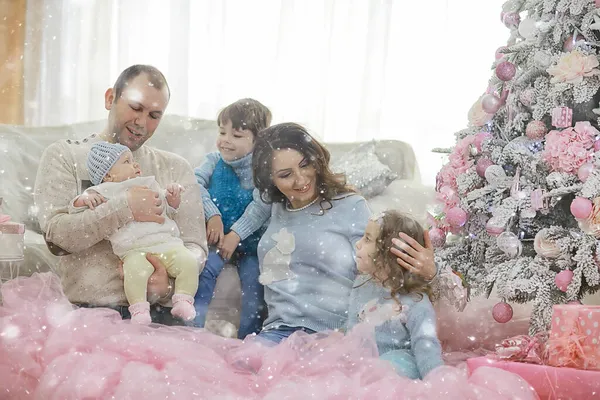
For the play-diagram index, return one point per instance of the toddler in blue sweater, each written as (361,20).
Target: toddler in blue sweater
(235,214)
(394,300)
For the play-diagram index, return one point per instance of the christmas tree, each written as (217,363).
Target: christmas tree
(520,195)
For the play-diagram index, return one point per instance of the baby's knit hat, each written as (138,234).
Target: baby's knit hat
(102,157)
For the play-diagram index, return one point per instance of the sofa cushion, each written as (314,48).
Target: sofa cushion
(364,170)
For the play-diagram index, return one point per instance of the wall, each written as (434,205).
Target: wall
(12,43)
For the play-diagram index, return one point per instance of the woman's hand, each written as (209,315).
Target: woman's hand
(415,258)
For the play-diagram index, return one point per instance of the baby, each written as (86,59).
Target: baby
(393,300)
(113,171)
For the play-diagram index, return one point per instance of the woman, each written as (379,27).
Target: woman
(307,253)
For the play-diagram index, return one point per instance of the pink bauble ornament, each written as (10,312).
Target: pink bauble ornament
(569,44)
(511,19)
(490,103)
(526,97)
(584,171)
(437,237)
(482,164)
(597,145)
(499,55)
(581,208)
(502,312)
(494,226)
(456,217)
(563,279)
(536,130)
(505,71)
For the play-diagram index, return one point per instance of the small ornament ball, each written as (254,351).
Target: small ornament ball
(494,226)
(563,279)
(456,217)
(437,237)
(536,130)
(511,19)
(482,164)
(581,208)
(583,173)
(491,103)
(502,312)
(505,71)
(527,96)
(528,28)
(510,244)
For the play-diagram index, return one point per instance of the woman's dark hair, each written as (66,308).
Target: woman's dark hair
(295,137)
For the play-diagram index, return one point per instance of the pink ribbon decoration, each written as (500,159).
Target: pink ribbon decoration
(522,348)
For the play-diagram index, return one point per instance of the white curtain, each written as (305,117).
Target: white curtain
(350,70)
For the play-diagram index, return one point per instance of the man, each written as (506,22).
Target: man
(88,268)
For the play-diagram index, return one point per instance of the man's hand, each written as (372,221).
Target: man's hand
(90,198)
(158,283)
(230,244)
(214,231)
(145,205)
(174,191)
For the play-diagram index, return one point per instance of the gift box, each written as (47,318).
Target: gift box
(549,382)
(11,238)
(562,117)
(12,228)
(574,339)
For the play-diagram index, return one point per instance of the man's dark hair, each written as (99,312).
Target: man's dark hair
(155,77)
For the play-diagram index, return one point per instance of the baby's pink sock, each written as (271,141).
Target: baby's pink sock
(183,307)
(140,313)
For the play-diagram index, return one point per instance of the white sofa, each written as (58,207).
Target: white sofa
(22,147)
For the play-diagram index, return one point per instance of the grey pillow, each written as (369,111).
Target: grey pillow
(364,170)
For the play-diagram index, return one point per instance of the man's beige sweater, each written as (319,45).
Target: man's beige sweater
(90,273)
